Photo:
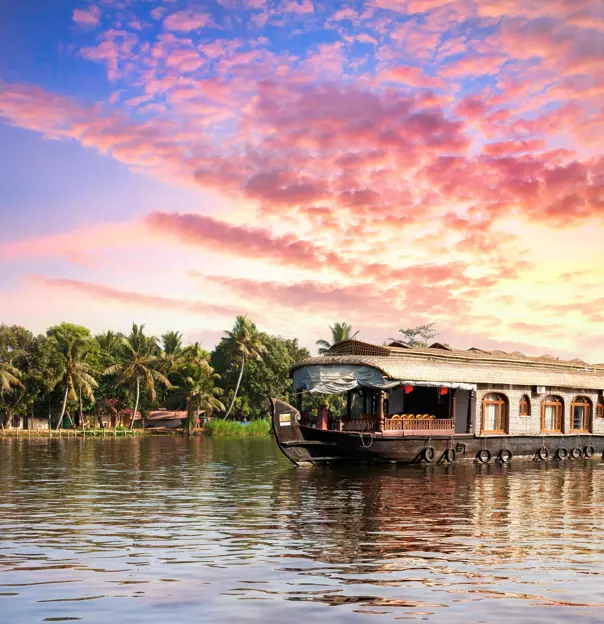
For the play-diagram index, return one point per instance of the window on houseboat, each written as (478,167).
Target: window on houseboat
(494,410)
(581,412)
(525,406)
(600,409)
(551,414)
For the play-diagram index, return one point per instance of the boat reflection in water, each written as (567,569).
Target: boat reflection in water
(227,530)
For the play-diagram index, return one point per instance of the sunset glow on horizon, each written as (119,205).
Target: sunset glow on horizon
(385,163)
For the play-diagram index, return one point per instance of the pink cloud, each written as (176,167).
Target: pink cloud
(84,240)
(413,76)
(186,20)
(87,17)
(345,14)
(116,48)
(185,60)
(293,6)
(134,299)
(215,235)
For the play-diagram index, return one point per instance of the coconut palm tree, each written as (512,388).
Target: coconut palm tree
(172,351)
(245,342)
(109,342)
(200,394)
(76,373)
(9,377)
(195,355)
(339,332)
(138,366)
(9,373)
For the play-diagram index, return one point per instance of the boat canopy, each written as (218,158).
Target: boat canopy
(339,378)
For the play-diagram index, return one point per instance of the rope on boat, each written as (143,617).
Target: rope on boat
(361,434)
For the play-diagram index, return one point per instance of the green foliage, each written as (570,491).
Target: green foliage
(261,379)
(198,392)
(71,377)
(77,378)
(256,428)
(420,336)
(246,344)
(138,366)
(339,332)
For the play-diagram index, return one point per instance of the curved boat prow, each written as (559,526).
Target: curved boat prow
(286,424)
(293,439)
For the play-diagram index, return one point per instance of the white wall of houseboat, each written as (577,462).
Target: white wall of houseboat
(531,425)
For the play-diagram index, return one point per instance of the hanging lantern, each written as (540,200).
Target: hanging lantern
(408,389)
(444,391)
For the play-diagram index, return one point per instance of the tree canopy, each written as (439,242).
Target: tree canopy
(420,336)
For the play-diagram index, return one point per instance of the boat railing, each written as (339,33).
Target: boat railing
(418,424)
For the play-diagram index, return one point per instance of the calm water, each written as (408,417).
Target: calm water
(158,530)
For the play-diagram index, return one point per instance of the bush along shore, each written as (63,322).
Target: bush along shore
(256,428)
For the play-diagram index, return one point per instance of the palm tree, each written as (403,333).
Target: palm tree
(76,372)
(109,342)
(9,377)
(195,354)
(245,341)
(339,332)
(138,366)
(200,394)
(9,373)
(172,351)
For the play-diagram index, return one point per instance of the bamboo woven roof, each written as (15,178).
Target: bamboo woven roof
(441,363)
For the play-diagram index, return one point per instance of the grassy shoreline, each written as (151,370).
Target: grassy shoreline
(214,428)
(255,428)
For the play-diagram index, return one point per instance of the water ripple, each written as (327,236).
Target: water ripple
(149,529)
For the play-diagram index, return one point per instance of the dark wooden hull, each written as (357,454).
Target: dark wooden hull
(302,444)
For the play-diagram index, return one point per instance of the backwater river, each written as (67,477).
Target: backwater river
(165,529)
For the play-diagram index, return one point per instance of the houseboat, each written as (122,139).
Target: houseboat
(438,404)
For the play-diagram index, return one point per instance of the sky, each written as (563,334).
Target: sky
(385,163)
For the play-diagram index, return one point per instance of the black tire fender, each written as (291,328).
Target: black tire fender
(429,454)
(484,456)
(543,453)
(576,453)
(562,453)
(589,451)
(505,456)
(449,455)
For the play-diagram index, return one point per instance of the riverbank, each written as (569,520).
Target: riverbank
(214,428)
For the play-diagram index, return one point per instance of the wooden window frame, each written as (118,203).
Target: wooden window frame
(503,413)
(585,402)
(599,409)
(558,402)
(525,400)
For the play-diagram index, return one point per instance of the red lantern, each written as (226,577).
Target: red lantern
(444,391)
(408,389)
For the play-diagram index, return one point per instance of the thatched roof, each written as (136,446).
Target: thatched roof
(442,363)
